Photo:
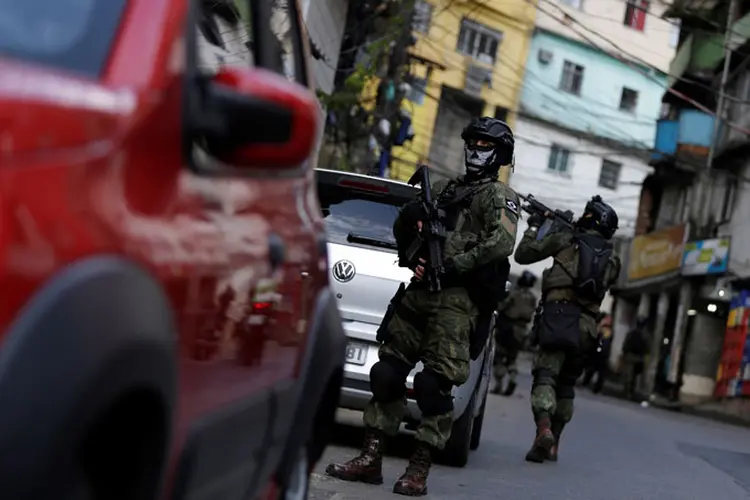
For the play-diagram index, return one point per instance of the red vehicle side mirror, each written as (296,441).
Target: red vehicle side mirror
(265,120)
(250,120)
(242,120)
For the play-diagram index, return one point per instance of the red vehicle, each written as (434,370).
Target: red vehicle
(167,330)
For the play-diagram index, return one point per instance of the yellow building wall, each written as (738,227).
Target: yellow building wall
(515,20)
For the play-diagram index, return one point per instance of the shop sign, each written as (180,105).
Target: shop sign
(657,253)
(706,257)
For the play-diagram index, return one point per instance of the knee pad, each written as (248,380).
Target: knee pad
(388,379)
(544,376)
(433,393)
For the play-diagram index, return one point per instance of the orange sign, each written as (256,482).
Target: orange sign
(656,253)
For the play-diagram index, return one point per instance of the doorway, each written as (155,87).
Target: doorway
(447,148)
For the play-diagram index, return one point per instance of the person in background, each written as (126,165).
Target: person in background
(598,365)
(634,352)
(514,315)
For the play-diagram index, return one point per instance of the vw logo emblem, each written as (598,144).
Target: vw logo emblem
(343,271)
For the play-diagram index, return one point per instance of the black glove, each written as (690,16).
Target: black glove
(535,220)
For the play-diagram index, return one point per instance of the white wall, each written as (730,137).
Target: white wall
(739,228)
(605,17)
(325,20)
(572,190)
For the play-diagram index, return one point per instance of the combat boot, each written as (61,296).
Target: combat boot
(413,482)
(510,389)
(557,428)
(367,467)
(543,441)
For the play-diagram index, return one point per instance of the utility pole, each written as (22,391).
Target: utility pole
(702,197)
(732,15)
(389,107)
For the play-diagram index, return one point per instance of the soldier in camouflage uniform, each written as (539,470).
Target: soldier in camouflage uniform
(435,328)
(570,301)
(514,315)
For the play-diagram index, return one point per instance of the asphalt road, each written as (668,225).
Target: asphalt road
(612,450)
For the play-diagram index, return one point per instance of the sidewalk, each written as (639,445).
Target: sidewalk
(731,411)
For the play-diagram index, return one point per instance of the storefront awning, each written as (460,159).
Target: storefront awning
(649,285)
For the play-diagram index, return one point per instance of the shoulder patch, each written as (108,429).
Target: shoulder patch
(511,206)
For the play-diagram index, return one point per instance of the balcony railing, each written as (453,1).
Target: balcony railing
(690,135)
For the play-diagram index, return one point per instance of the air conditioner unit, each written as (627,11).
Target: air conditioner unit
(476,77)
(544,56)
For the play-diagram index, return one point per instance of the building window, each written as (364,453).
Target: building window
(573,3)
(635,14)
(501,113)
(558,158)
(418,86)
(628,100)
(478,41)
(572,78)
(609,176)
(422,17)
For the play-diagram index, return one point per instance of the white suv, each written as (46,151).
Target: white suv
(359,212)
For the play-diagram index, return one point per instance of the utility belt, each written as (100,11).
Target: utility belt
(584,311)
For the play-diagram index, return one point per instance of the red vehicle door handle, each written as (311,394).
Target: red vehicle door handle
(276,251)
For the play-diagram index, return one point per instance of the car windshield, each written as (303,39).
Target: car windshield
(357,217)
(74,35)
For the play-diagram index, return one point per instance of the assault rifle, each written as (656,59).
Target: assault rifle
(432,235)
(536,207)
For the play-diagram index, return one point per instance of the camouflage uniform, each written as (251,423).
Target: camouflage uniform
(556,371)
(435,327)
(515,313)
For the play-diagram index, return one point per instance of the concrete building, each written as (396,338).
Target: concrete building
(634,25)
(588,91)
(691,245)
(468,61)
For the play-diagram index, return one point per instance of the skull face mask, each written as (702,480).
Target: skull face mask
(479,156)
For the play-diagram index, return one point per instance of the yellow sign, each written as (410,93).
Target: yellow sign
(656,253)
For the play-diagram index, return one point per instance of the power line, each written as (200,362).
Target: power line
(670,90)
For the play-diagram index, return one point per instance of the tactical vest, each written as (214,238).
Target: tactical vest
(463,215)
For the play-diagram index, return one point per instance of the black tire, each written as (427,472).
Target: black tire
(456,451)
(476,431)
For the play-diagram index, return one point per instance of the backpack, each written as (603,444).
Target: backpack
(594,255)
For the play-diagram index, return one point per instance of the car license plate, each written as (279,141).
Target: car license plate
(356,353)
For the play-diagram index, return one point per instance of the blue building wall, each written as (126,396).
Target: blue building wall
(596,109)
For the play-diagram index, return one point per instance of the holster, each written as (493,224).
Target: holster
(559,326)
(382,333)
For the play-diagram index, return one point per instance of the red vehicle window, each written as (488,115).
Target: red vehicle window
(74,35)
